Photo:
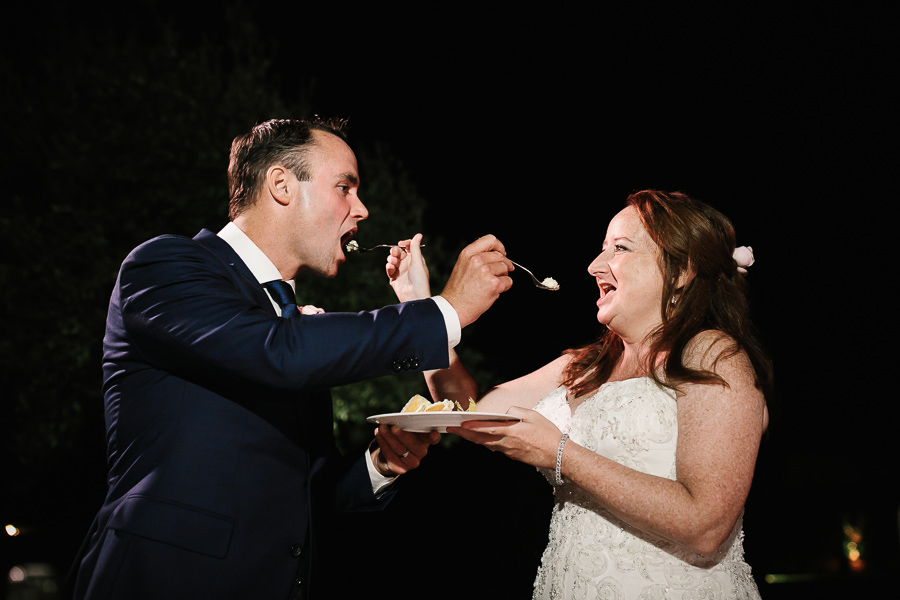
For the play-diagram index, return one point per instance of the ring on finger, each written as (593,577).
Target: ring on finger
(405,454)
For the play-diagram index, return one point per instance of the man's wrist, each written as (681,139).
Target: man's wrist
(380,464)
(379,481)
(451,320)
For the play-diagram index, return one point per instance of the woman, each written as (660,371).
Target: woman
(650,434)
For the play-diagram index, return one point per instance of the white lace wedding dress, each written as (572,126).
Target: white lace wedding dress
(591,553)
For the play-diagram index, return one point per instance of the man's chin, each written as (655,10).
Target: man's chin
(328,272)
(332,272)
(334,268)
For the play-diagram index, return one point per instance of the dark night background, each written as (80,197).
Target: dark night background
(528,124)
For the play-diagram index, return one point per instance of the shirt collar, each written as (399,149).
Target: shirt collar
(256,260)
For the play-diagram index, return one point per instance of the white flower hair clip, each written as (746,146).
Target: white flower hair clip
(743,256)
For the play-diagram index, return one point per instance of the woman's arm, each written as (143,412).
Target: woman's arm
(719,431)
(455,383)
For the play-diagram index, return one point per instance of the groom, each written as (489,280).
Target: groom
(223,470)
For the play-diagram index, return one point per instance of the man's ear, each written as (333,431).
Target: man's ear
(279,183)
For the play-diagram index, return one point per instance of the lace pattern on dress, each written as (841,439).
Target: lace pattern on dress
(593,554)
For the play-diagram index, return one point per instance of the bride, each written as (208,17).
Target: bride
(650,434)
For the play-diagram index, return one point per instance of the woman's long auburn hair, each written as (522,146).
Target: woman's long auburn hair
(692,238)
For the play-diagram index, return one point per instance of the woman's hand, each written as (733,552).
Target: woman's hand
(533,440)
(407,271)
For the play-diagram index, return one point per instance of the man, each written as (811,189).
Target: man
(222,462)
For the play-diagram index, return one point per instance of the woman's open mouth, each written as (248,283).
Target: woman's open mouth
(606,289)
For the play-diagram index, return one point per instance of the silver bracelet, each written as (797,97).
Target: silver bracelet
(559,451)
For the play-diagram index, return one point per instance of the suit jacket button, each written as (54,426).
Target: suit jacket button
(397,366)
(296,550)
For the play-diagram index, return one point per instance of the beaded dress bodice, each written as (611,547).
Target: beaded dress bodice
(593,554)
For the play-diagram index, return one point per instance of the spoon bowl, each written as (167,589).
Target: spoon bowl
(547,284)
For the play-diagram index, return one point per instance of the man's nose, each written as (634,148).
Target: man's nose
(359,210)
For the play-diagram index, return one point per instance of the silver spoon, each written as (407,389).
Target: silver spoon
(547,284)
(352,247)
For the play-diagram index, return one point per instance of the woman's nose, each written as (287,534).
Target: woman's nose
(598,265)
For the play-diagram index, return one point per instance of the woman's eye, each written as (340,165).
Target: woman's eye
(621,248)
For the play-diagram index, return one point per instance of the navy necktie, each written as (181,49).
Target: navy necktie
(283,294)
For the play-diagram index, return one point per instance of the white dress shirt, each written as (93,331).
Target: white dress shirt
(264,270)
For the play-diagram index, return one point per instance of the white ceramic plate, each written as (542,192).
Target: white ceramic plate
(421,422)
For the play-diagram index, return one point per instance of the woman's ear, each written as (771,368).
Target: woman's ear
(687,276)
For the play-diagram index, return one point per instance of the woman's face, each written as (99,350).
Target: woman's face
(629,278)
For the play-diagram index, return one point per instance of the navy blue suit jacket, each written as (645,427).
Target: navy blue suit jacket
(221,456)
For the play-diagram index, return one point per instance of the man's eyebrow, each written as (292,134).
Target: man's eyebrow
(349,176)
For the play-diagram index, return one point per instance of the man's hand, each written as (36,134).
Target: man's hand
(400,451)
(481,274)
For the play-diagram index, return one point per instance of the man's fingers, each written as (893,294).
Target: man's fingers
(487,243)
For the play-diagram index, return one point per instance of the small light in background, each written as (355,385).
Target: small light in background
(789,577)
(12,530)
(32,581)
(17,574)
(853,546)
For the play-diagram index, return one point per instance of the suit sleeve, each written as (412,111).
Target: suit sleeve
(190,315)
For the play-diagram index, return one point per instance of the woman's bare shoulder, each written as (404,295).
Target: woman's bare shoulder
(706,349)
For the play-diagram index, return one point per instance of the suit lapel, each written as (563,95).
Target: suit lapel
(229,257)
(305,418)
